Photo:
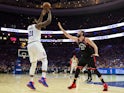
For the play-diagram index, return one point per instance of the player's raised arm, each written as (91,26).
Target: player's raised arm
(46,10)
(90,42)
(66,34)
(43,13)
(41,24)
(49,19)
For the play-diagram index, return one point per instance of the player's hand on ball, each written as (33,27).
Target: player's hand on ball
(46,5)
(95,55)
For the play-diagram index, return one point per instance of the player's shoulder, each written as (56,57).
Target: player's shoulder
(87,39)
(31,26)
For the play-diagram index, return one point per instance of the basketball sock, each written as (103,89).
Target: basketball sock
(74,81)
(102,81)
(32,79)
(32,68)
(44,74)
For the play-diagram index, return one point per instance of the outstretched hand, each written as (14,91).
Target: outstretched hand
(59,24)
(95,55)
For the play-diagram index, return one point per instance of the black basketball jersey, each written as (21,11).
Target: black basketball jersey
(85,49)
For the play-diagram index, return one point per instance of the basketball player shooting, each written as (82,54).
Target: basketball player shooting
(89,51)
(35,48)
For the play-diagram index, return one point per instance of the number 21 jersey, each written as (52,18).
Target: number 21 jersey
(34,34)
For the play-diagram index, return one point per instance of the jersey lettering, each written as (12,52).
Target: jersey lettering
(82,46)
(30,33)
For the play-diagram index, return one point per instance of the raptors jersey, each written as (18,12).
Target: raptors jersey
(34,34)
(85,49)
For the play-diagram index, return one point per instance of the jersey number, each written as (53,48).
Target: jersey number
(30,33)
(82,46)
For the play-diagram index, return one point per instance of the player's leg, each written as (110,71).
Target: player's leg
(89,75)
(32,70)
(93,67)
(43,58)
(77,72)
(33,61)
(89,79)
(88,72)
(71,70)
(102,80)
(81,64)
(42,80)
(44,67)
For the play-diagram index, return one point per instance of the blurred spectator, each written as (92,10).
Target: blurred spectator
(111,56)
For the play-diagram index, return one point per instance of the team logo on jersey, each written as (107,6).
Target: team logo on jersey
(30,33)
(82,46)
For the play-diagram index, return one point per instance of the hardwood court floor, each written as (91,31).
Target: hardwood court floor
(58,83)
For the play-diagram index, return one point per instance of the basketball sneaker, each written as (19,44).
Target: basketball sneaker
(31,85)
(43,81)
(72,86)
(105,87)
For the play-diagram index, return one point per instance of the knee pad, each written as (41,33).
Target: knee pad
(97,72)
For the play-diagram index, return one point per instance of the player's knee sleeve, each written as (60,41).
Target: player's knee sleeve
(77,72)
(32,68)
(44,64)
(97,73)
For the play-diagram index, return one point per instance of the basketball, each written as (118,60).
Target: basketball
(46,5)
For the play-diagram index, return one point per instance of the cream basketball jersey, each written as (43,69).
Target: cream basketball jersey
(74,60)
(34,34)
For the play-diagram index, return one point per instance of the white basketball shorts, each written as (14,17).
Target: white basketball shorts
(36,51)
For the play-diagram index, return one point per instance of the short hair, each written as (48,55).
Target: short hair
(83,33)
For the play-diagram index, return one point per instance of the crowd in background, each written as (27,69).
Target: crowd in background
(7,60)
(111,56)
(21,21)
(55,3)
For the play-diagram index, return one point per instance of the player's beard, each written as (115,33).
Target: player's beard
(78,35)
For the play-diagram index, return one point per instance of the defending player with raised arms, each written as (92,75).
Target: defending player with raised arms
(89,51)
(35,48)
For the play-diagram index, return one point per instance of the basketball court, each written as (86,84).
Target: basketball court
(58,83)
